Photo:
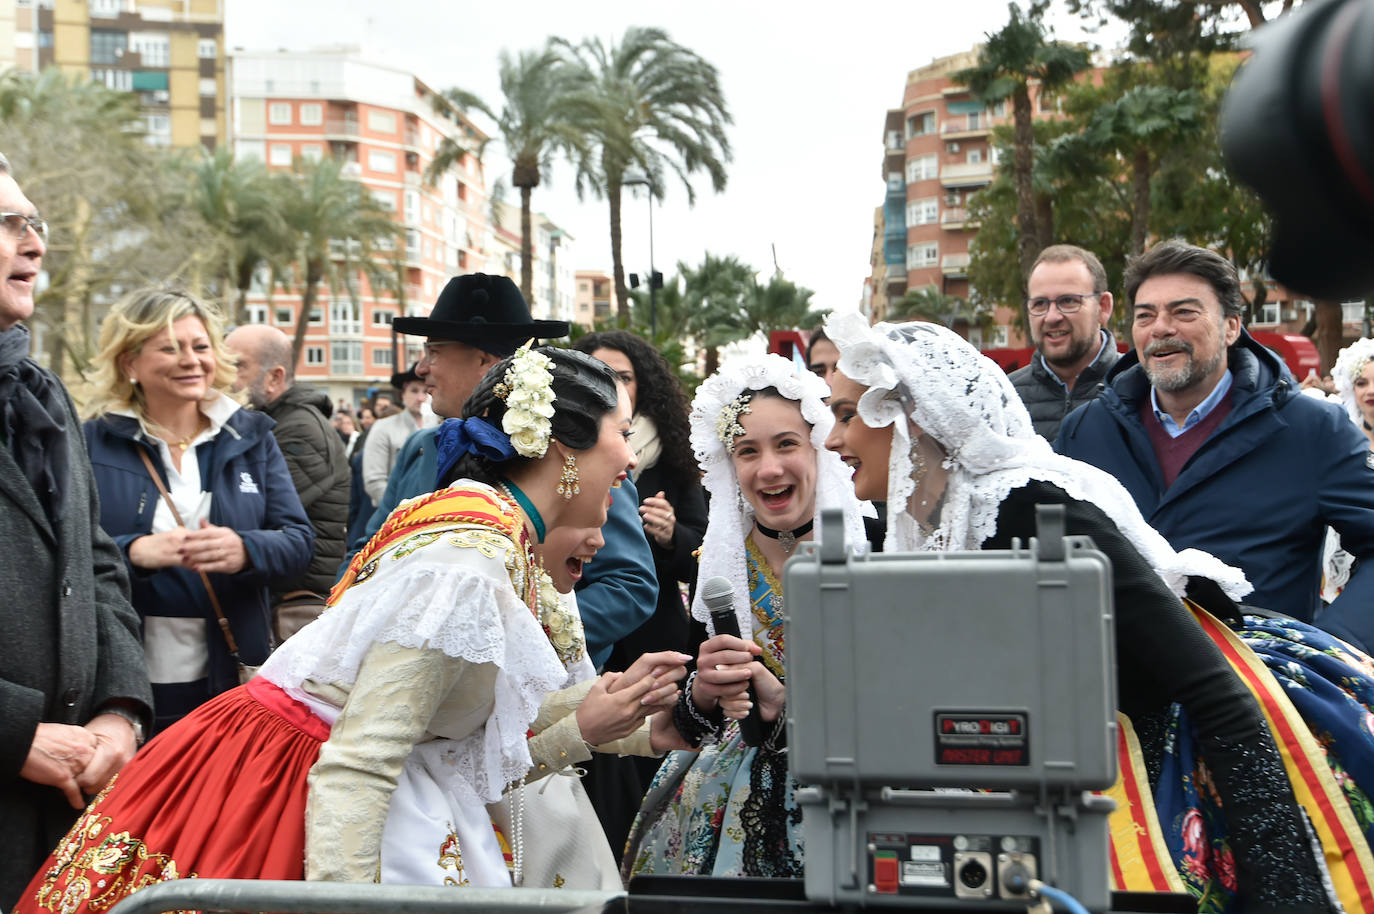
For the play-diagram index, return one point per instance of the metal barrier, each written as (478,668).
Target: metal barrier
(290,897)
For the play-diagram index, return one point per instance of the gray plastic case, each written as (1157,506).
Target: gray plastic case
(990,670)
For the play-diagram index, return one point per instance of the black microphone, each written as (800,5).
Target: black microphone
(718,594)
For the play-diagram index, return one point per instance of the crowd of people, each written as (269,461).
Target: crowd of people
(443,636)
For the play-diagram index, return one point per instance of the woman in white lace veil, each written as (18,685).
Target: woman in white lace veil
(938,430)
(758,429)
(391,739)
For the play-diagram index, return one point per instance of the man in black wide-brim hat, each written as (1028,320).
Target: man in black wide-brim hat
(478,321)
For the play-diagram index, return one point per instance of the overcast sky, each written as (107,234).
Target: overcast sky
(808,86)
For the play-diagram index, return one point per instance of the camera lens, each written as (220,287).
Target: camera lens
(973,874)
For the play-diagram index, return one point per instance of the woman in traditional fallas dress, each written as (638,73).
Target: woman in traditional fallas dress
(757,428)
(388,739)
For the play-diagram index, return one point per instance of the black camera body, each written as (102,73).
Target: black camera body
(1298,126)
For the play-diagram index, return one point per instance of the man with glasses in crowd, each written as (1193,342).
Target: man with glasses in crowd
(74,695)
(1068,307)
(1210,434)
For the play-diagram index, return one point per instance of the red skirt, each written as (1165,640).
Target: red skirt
(221,794)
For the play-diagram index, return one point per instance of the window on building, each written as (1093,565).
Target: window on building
(346,356)
(207,49)
(975,156)
(155,48)
(284,317)
(1352,312)
(107,46)
(118,80)
(923,212)
(279,154)
(999,109)
(255,314)
(317,316)
(208,86)
(412,201)
(975,120)
(381,122)
(312,152)
(926,254)
(106,9)
(312,115)
(377,160)
(920,124)
(999,336)
(381,358)
(343,318)
(279,113)
(158,129)
(1269,313)
(385,199)
(383,318)
(922,168)
(314,355)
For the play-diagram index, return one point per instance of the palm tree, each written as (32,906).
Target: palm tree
(537,121)
(780,305)
(1007,64)
(238,198)
(650,104)
(1141,126)
(715,294)
(339,228)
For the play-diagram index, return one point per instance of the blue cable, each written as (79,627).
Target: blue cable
(1061,897)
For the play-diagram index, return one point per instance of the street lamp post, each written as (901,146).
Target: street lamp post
(634,177)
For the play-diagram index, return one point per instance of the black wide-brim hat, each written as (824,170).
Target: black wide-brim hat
(483,311)
(401,378)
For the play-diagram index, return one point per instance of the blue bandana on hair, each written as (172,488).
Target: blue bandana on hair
(459,437)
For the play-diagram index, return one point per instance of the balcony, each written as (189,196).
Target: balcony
(966,174)
(958,131)
(955,218)
(954,265)
(341,127)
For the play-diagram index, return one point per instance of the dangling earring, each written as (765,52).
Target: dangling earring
(567,482)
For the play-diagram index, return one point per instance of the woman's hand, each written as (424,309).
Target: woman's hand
(663,736)
(659,519)
(158,550)
(213,549)
(605,716)
(723,671)
(665,668)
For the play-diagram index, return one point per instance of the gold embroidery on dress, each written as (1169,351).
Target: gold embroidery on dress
(769,635)
(99,870)
(488,542)
(415,542)
(559,881)
(451,858)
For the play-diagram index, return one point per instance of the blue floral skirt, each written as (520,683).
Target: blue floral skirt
(727,810)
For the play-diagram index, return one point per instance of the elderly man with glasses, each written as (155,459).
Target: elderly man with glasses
(1068,307)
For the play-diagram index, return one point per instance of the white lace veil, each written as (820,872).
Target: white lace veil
(1350,363)
(722,550)
(962,399)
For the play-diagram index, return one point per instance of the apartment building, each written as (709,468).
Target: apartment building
(594,299)
(385,124)
(938,153)
(551,292)
(170,53)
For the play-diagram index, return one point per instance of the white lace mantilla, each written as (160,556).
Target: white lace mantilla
(963,400)
(730,516)
(452,592)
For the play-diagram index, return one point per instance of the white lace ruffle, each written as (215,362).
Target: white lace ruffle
(460,601)
(932,377)
(730,516)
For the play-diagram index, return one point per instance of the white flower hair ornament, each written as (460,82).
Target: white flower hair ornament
(720,402)
(527,390)
(931,378)
(1350,364)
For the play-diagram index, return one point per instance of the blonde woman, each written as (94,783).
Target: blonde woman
(161,389)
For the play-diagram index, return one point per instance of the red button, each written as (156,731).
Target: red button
(885,875)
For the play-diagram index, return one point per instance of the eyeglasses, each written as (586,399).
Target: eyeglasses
(16,223)
(1068,303)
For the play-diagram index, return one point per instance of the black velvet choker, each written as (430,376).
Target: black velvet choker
(787,538)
